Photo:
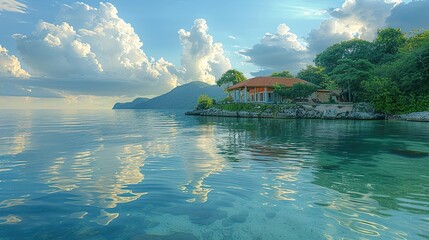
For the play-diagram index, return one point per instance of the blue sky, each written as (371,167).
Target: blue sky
(64,54)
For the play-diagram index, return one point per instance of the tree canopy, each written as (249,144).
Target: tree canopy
(391,72)
(349,74)
(204,102)
(354,49)
(231,77)
(313,74)
(299,90)
(285,74)
(387,44)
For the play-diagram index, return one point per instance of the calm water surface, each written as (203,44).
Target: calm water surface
(162,175)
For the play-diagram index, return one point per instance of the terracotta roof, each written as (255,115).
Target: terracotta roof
(267,82)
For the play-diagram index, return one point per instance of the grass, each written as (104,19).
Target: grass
(254,107)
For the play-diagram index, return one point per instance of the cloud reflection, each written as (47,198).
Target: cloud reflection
(99,177)
(198,170)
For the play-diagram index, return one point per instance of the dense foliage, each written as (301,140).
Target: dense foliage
(313,74)
(297,91)
(230,78)
(285,74)
(204,102)
(391,72)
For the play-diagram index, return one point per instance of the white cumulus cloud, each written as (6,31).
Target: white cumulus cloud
(12,6)
(10,65)
(57,50)
(354,19)
(277,52)
(202,59)
(95,45)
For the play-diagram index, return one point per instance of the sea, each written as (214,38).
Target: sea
(159,174)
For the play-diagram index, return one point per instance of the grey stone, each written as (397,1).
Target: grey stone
(418,117)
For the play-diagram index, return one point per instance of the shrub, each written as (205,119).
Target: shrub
(387,97)
(228,99)
(204,102)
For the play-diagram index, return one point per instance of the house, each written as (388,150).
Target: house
(260,89)
(325,96)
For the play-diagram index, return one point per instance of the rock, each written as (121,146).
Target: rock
(360,111)
(342,115)
(203,216)
(270,215)
(363,107)
(329,114)
(365,116)
(287,113)
(239,217)
(417,116)
(194,112)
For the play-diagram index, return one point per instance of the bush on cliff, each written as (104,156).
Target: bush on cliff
(204,102)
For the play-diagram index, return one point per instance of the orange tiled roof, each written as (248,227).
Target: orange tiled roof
(267,82)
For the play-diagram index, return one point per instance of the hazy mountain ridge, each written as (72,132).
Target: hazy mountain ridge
(181,97)
(130,105)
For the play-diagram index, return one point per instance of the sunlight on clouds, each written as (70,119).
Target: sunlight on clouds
(305,12)
(90,50)
(355,18)
(10,65)
(12,6)
(56,50)
(93,51)
(283,38)
(93,45)
(202,60)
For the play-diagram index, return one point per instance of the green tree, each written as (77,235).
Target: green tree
(280,90)
(313,74)
(301,90)
(285,74)
(204,102)
(354,49)
(231,77)
(387,45)
(348,74)
(384,94)
(417,41)
(411,69)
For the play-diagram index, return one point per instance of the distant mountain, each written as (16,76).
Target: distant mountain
(130,105)
(181,97)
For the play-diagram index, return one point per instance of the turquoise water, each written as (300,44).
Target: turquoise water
(163,175)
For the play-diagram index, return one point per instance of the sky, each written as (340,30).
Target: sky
(63,54)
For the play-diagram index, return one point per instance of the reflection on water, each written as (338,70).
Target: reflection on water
(160,174)
(199,168)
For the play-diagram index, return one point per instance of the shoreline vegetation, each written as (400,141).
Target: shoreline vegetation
(342,111)
(387,78)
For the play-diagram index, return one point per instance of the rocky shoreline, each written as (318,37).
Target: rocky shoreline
(346,112)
